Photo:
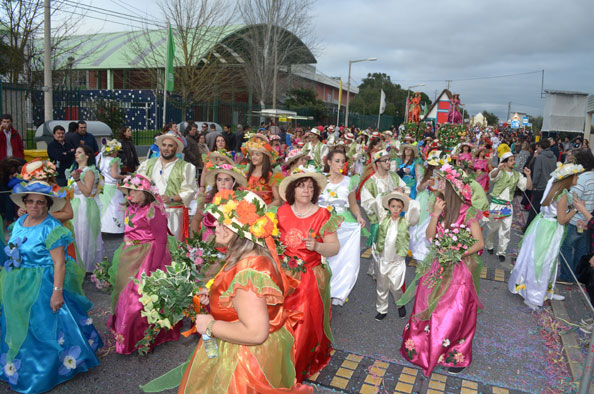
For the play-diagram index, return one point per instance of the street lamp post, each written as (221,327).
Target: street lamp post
(407,96)
(369,59)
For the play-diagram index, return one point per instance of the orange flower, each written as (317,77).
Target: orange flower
(263,227)
(246,212)
(224,194)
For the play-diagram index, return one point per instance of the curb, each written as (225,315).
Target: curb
(574,356)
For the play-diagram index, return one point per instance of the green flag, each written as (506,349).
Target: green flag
(169,66)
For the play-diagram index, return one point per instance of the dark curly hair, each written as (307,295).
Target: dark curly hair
(290,192)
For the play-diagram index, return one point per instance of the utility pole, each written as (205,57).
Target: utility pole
(508,111)
(275,71)
(47,63)
(448,81)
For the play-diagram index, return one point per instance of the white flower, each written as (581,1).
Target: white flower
(70,362)
(9,369)
(91,342)
(445,343)
(88,322)
(61,341)
(461,341)
(427,329)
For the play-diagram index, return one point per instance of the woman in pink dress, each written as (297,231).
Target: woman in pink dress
(482,168)
(442,325)
(144,250)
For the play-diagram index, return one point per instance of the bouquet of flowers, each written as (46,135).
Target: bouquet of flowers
(450,247)
(415,130)
(451,135)
(100,276)
(169,296)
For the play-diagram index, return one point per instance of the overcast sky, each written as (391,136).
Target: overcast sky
(433,41)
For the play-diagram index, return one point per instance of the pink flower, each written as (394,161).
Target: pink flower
(459,245)
(198,260)
(454,238)
(437,243)
(459,357)
(293,263)
(455,231)
(464,247)
(409,345)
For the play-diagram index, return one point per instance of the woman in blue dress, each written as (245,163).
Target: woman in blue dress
(46,335)
(409,167)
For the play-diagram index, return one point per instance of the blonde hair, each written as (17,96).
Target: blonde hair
(238,247)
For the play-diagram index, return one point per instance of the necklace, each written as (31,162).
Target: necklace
(304,214)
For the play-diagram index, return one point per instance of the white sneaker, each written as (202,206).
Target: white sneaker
(557,297)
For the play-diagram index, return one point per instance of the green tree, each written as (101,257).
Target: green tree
(492,119)
(536,123)
(368,100)
(305,100)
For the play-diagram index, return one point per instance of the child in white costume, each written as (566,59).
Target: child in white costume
(391,249)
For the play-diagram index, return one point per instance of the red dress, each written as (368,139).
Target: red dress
(313,337)
(263,189)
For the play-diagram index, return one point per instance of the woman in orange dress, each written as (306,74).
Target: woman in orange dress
(259,174)
(248,317)
(309,232)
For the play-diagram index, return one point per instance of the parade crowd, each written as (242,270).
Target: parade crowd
(286,209)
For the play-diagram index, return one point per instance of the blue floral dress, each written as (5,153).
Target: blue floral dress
(40,349)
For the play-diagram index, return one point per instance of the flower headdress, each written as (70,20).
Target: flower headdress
(459,181)
(293,155)
(38,169)
(228,169)
(258,145)
(111,146)
(244,213)
(41,188)
(564,170)
(210,158)
(142,183)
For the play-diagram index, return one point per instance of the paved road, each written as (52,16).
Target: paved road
(510,353)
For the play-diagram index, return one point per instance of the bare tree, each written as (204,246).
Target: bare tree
(276,33)
(201,67)
(22,21)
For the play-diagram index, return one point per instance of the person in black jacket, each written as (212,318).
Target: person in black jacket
(128,153)
(61,153)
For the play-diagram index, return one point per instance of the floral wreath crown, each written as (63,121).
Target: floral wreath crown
(112,145)
(259,145)
(459,180)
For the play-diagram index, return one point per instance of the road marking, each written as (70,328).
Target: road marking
(357,374)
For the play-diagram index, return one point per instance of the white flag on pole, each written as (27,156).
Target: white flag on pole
(382,106)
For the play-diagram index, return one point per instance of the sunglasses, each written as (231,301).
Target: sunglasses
(39,203)
(384,160)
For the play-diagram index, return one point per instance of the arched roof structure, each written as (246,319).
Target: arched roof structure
(127,50)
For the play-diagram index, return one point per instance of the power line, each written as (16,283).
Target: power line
(468,79)
(116,14)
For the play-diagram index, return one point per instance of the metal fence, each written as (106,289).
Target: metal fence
(142,110)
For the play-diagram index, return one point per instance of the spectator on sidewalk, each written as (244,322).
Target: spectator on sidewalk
(239,135)
(61,153)
(72,136)
(11,143)
(128,153)
(87,138)
(545,162)
(576,240)
(229,137)
(554,147)
(192,151)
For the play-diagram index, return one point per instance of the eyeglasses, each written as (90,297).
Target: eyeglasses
(384,160)
(39,203)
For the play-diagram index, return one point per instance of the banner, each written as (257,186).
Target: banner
(169,65)
(382,106)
